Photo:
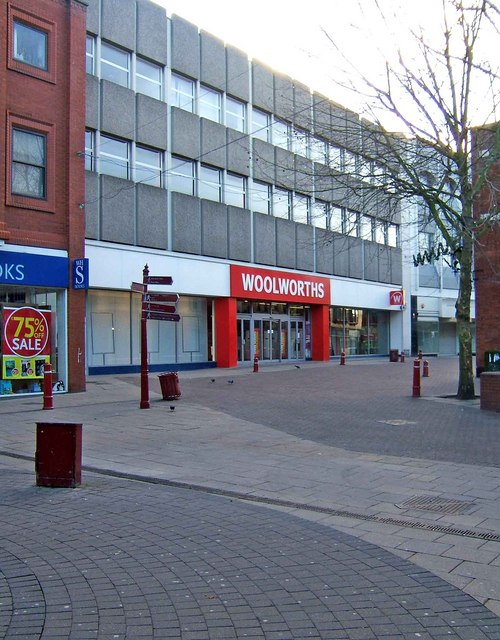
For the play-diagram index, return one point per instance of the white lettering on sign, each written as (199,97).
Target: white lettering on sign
(11,271)
(282,286)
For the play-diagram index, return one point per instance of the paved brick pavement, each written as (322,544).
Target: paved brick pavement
(106,544)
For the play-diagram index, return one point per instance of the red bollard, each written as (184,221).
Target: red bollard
(416,378)
(342,357)
(48,397)
(425,373)
(256,364)
(420,355)
(402,356)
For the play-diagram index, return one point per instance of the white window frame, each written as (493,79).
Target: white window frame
(114,160)
(210,183)
(235,190)
(178,176)
(89,150)
(210,104)
(301,210)
(155,85)
(281,134)
(261,125)
(282,198)
(262,197)
(90,48)
(236,114)
(109,64)
(182,92)
(147,172)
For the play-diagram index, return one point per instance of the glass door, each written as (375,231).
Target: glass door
(296,340)
(271,339)
(244,342)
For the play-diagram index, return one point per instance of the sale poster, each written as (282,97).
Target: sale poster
(25,342)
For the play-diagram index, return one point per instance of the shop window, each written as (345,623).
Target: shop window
(261,125)
(261,197)
(148,78)
(115,64)
(30,173)
(31,45)
(182,176)
(235,190)
(182,92)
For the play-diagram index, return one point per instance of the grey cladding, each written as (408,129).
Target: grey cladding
(185,47)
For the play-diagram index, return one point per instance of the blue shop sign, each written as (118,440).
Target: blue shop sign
(80,273)
(32,269)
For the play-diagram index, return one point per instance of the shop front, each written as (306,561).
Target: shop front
(33,302)
(276,315)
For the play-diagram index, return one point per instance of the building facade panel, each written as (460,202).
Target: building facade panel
(152,32)
(185,47)
(118,22)
(213,61)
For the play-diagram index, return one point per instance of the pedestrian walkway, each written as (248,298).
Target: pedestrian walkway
(304,536)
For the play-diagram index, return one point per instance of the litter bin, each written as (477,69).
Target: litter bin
(58,457)
(492,360)
(393,355)
(170,388)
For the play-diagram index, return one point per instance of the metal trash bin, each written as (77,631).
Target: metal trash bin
(169,383)
(393,355)
(492,360)
(58,457)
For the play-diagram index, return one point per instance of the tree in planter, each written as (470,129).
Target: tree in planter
(438,90)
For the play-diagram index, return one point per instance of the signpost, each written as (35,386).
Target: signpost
(152,309)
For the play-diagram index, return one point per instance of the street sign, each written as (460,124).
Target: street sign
(138,287)
(158,280)
(162,308)
(156,315)
(161,297)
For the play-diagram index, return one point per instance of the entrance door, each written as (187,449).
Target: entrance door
(271,339)
(244,342)
(296,340)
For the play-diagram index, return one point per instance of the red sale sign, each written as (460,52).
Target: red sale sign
(26,332)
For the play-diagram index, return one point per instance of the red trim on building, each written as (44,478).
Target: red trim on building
(226,345)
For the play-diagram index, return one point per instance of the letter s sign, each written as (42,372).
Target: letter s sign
(80,277)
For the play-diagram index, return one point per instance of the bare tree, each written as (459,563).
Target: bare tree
(438,90)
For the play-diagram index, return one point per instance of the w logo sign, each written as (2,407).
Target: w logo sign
(396,298)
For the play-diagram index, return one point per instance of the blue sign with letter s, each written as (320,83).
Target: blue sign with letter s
(80,272)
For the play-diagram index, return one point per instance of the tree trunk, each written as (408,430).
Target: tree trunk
(466,389)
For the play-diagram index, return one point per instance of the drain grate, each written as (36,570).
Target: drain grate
(397,422)
(437,504)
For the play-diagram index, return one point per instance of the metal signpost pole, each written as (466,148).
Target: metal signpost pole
(144,347)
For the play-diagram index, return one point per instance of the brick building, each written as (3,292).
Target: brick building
(42,84)
(487,255)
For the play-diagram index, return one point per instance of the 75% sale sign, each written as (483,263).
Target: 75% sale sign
(26,332)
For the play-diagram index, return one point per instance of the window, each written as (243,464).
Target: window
(393,235)
(336,156)
(350,161)
(210,104)
(366,231)
(261,125)
(380,232)
(182,176)
(182,93)
(209,186)
(336,219)
(114,157)
(148,78)
(351,223)
(319,216)
(90,55)
(281,134)
(301,205)
(235,114)
(115,64)
(30,45)
(261,197)
(300,142)
(318,150)
(366,171)
(148,166)
(29,160)
(281,203)
(235,191)
(89,150)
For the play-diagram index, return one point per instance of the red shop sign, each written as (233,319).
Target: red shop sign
(279,286)
(397,298)
(26,332)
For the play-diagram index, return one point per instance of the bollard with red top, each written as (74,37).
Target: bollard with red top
(342,357)
(48,397)
(420,354)
(256,364)
(425,373)
(416,378)
(402,356)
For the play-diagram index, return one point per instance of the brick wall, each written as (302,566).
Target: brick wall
(490,390)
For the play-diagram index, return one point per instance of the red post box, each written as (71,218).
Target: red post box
(58,457)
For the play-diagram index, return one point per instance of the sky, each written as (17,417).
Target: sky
(291,35)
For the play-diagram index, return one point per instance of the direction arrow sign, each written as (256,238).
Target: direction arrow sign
(162,308)
(158,280)
(161,297)
(138,287)
(155,315)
